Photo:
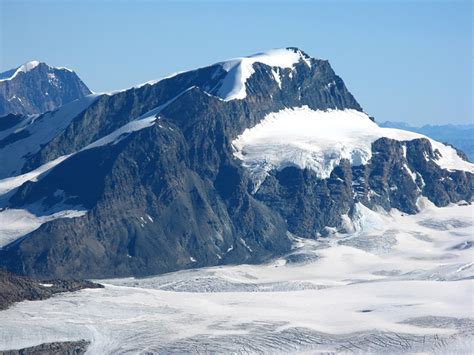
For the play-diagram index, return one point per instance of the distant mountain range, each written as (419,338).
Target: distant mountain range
(460,136)
(35,88)
(220,165)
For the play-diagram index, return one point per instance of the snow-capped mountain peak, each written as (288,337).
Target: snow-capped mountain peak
(36,87)
(241,69)
(26,67)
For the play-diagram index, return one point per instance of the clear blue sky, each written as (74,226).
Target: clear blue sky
(403,60)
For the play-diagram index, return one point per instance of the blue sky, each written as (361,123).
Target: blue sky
(403,60)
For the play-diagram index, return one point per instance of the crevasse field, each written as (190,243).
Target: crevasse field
(396,284)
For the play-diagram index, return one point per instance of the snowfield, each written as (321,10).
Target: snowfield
(397,284)
(318,140)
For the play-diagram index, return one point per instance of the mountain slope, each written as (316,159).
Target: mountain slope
(36,87)
(163,176)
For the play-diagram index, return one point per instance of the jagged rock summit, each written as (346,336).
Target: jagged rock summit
(222,164)
(35,87)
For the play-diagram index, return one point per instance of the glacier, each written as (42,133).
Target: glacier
(397,284)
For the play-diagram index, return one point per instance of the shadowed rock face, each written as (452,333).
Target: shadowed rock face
(173,196)
(38,90)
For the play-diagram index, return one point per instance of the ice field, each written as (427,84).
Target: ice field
(397,284)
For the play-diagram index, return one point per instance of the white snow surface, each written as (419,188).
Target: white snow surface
(240,69)
(318,140)
(398,284)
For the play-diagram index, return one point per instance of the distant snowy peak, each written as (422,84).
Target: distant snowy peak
(283,58)
(12,73)
(25,68)
(239,70)
(36,87)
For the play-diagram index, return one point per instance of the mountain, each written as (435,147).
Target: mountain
(460,136)
(35,87)
(222,164)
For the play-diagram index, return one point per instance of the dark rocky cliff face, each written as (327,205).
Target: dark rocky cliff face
(38,90)
(173,196)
